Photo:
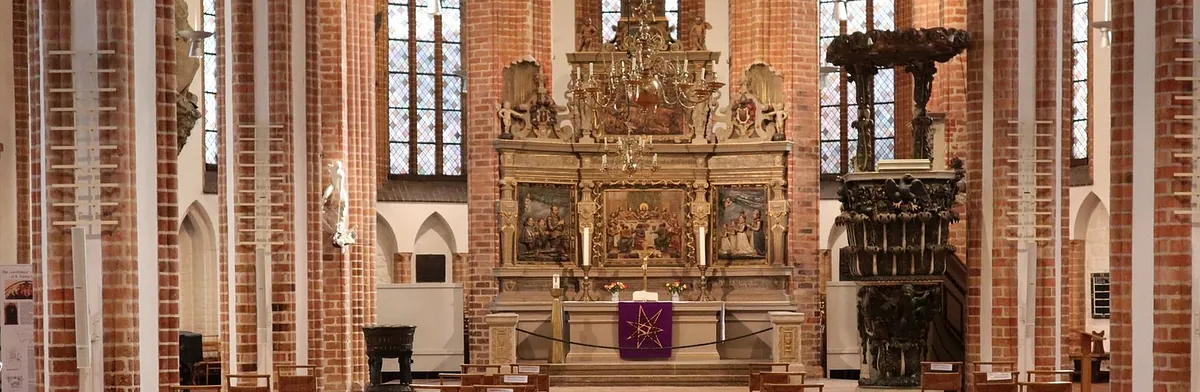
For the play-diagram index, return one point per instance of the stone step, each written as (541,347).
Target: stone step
(729,368)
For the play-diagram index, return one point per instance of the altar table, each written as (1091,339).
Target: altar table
(596,323)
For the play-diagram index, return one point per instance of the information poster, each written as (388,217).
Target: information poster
(16,331)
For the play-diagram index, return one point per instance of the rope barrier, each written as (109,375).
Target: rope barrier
(644,348)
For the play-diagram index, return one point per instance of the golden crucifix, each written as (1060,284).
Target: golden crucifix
(646,267)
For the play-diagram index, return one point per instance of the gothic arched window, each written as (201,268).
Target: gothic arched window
(610,15)
(425,85)
(838,108)
(208,20)
(1080,27)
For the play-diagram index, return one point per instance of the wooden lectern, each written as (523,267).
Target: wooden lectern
(1086,340)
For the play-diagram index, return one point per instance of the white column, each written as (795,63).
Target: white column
(300,164)
(8,140)
(262,183)
(1142,254)
(1027,118)
(716,13)
(562,41)
(1195,218)
(231,176)
(987,229)
(145,109)
(1058,192)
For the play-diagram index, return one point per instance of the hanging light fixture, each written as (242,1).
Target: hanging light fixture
(641,80)
(1104,25)
(839,10)
(195,40)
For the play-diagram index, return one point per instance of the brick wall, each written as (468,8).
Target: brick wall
(488,45)
(282,292)
(1077,302)
(792,53)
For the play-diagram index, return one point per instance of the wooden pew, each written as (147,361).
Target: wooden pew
(468,368)
(434,387)
(1045,386)
(195,388)
(941,379)
(536,373)
(500,388)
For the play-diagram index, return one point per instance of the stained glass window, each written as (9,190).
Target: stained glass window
(208,22)
(425,87)
(610,15)
(839,140)
(1079,80)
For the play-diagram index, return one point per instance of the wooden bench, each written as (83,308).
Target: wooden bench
(1051,374)
(995,381)
(770,387)
(536,374)
(1045,386)
(757,368)
(467,380)
(941,379)
(434,387)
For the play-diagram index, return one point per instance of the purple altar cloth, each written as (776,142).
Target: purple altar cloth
(644,330)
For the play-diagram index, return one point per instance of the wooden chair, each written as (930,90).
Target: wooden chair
(1051,374)
(500,388)
(995,381)
(1045,386)
(757,368)
(480,369)
(995,366)
(248,382)
(770,387)
(289,379)
(941,380)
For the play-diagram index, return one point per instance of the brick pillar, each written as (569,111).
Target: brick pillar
(950,97)
(344,291)
(317,239)
(1151,273)
(1079,289)
(168,205)
(236,185)
(488,49)
(23,121)
(403,270)
(282,292)
(789,28)
(1053,35)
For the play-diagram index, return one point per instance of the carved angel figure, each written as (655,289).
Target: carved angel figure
(335,205)
(698,32)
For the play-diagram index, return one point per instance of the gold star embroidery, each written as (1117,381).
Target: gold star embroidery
(645,328)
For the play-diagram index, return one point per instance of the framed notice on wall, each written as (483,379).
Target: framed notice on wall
(16,328)
(1101,306)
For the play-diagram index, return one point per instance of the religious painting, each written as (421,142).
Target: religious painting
(546,223)
(664,120)
(644,220)
(741,224)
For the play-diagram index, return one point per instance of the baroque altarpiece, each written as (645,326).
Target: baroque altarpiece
(717,168)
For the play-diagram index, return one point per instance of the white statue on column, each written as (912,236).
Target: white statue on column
(336,207)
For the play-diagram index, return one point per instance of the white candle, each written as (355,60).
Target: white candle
(702,69)
(587,246)
(703,251)
(554,282)
(685,65)
(591,68)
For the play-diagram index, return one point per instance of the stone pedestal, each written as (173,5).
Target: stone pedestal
(596,323)
(502,337)
(786,344)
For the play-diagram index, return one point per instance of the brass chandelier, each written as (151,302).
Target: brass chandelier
(642,80)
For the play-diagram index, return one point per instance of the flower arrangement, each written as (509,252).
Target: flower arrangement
(676,287)
(614,287)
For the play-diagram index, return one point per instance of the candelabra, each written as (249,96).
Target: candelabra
(631,150)
(705,295)
(585,286)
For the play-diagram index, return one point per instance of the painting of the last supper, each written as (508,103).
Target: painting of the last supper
(645,221)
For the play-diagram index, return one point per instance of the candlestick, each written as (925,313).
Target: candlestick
(554,282)
(704,294)
(585,287)
(591,68)
(587,246)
